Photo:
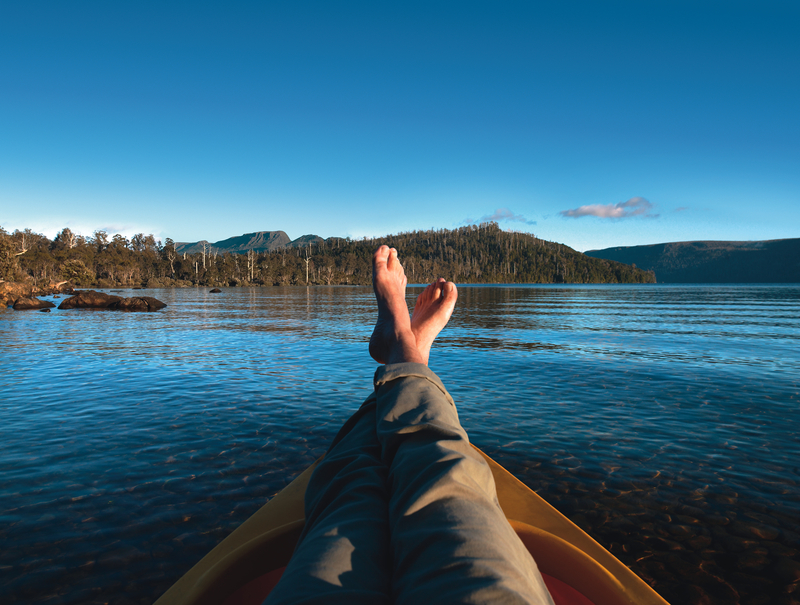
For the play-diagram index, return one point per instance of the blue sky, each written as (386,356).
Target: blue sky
(594,124)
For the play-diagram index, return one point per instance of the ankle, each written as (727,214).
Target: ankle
(405,350)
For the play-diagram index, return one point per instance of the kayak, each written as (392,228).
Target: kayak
(245,566)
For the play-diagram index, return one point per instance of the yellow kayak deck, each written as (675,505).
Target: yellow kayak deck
(265,542)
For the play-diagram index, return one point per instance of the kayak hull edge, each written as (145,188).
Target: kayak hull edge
(265,542)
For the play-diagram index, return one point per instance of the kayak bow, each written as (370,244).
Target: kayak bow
(243,568)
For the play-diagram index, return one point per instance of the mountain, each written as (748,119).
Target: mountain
(260,241)
(304,241)
(770,261)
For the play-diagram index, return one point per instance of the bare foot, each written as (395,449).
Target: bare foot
(392,340)
(432,312)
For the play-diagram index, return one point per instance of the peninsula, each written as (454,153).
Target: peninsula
(712,262)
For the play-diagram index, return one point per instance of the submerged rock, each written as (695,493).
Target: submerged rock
(753,530)
(788,570)
(215,291)
(26,304)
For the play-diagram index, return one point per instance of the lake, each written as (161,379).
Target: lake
(663,420)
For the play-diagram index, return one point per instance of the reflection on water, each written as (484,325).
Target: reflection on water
(661,419)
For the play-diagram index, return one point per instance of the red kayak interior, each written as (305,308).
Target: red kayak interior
(256,591)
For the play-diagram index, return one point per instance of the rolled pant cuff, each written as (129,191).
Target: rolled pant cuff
(390,372)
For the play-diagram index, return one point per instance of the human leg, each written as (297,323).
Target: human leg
(343,554)
(450,540)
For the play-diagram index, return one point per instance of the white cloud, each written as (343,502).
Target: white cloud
(501,215)
(636,206)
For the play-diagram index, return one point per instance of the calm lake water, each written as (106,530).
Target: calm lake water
(661,419)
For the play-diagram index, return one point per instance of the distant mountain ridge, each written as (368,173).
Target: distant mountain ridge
(260,241)
(769,261)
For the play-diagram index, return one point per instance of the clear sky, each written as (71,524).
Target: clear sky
(594,124)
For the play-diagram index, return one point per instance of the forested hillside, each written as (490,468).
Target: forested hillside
(771,261)
(475,254)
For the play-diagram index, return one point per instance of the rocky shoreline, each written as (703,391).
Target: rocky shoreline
(25,297)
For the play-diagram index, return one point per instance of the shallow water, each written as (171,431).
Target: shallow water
(661,419)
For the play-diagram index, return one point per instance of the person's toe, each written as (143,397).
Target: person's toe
(391,261)
(381,254)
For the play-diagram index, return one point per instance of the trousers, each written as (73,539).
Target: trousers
(403,510)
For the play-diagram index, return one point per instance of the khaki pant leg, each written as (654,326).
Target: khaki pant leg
(343,554)
(450,540)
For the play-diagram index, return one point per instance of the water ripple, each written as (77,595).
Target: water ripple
(662,419)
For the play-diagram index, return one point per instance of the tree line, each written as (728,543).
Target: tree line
(473,254)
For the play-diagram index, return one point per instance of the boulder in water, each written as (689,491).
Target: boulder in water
(90,299)
(141,303)
(26,304)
